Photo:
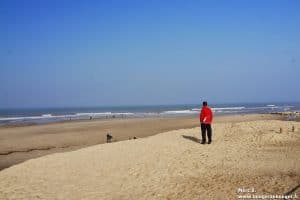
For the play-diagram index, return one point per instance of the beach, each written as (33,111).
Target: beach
(20,143)
(247,153)
(109,100)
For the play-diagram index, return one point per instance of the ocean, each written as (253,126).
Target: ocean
(49,115)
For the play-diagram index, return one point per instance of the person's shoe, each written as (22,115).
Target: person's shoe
(209,142)
(203,142)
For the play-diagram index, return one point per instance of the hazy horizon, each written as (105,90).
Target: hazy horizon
(110,53)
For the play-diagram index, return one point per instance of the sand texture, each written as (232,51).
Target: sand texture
(170,165)
(21,143)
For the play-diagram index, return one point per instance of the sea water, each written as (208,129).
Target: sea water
(48,115)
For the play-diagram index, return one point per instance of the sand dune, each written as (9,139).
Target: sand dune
(170,165)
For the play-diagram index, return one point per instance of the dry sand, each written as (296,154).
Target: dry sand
(170,165)
(18,144)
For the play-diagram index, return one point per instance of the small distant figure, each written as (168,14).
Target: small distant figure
(293,129)
(206,117)
(109,138)
(91,117)
(280,130)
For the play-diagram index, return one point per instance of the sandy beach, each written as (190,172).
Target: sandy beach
(245,153)
(108,100)
(20,143)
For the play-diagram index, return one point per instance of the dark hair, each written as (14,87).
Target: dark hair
(204,103)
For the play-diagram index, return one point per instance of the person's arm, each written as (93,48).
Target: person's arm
(201,116)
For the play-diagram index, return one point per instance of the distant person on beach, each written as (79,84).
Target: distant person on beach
(206,117)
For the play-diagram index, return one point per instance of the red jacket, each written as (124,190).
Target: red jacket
(206,115)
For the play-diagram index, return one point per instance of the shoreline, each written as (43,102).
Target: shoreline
(21,143)
(30,116)
(284,115)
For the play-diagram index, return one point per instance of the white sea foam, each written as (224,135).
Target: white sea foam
(230,108)
(47,115)
(149,113)
(263,107)
(76,116)
(179,112)
(223,109)
(93,114)
(125,113)
(10,118)
(103,114)
(44,116)
(21,118)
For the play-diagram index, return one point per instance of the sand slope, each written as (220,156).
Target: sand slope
(170,165)
(21,143)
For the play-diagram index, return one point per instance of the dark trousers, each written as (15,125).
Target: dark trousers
(204,128)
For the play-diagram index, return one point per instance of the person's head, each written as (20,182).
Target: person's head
(204,103)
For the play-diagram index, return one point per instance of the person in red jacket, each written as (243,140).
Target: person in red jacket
(206,117)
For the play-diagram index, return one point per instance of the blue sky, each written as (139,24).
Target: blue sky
(97,53)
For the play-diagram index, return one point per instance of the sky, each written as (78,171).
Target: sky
(59,53)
